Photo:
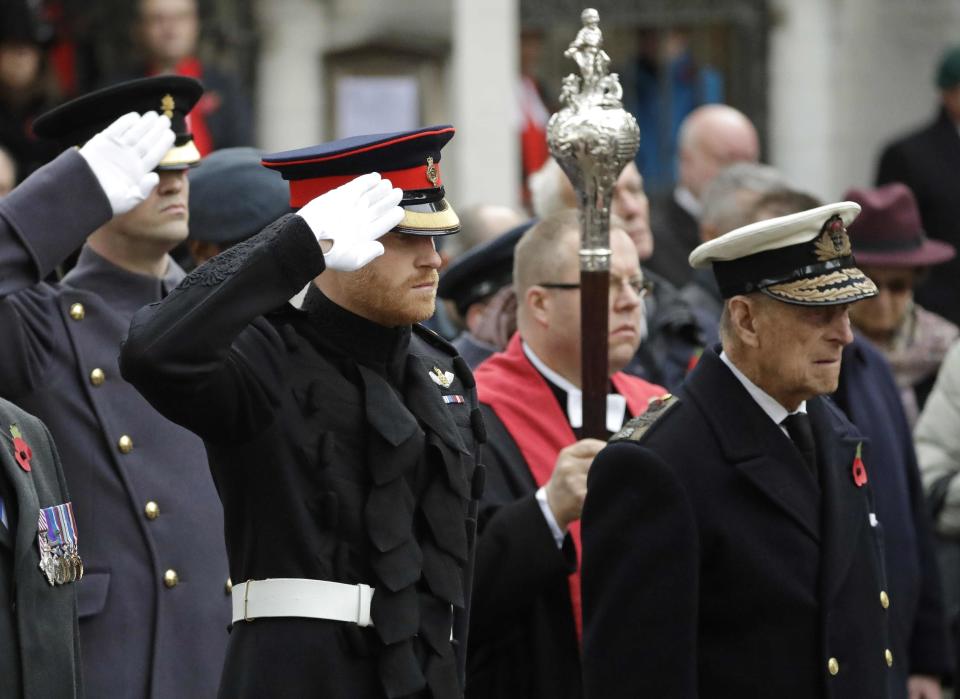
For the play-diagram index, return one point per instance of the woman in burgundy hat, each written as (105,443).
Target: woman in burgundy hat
(892,249)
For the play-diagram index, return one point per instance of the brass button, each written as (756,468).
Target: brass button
(888,656)
(77,311)
(151,510)
(228,587)
(125,444)
(170,578)
(97,377)
(884,599)
(833,667)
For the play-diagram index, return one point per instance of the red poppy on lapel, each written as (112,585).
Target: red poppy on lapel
(21,450)
(859,470)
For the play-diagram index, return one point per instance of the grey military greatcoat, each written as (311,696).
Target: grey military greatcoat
(153,606)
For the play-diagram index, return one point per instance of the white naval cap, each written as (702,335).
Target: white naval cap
(803,258)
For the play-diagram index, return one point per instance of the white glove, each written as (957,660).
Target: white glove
(352,217)
(123,157)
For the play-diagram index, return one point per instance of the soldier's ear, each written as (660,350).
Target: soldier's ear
(744,312)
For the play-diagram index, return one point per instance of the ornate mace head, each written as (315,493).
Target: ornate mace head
(592,137)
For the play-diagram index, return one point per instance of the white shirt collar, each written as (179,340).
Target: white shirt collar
(767,403)
(686,201)
(616,404)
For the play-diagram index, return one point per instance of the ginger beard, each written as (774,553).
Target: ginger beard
(400,286)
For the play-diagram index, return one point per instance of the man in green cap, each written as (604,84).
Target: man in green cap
(928,161)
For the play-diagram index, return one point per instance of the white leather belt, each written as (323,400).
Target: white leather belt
(301,597)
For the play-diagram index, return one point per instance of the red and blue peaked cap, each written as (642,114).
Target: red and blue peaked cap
(409,159)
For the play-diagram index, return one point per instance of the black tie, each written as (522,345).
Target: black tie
(801,432)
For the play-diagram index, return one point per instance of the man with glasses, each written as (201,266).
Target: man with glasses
(525,624)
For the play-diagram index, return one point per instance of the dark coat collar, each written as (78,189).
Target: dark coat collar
(762,453)
(125,291)
(397,384)
(346,334)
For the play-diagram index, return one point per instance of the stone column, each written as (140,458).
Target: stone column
(484,157)
(290,94)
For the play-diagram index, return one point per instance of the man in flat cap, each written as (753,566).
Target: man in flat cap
(232,198)
(928,161)
(731,543)
(342,436)
(152,604)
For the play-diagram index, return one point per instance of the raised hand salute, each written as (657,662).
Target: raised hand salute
(124,155)
(348,220)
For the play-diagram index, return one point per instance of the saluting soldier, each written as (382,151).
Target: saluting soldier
(342,436)
(731,543)
(152,604)
(40,563)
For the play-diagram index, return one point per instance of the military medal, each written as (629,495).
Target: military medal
(859,470)
(57,538)
(21,450)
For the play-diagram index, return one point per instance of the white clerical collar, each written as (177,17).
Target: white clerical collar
(616,404)
(767,403)
(686,201)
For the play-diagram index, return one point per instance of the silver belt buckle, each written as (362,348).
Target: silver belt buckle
(246,593)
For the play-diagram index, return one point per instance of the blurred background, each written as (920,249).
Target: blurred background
(826,82)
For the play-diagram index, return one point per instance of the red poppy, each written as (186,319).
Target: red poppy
(859,469)
(694,360)
(21,450)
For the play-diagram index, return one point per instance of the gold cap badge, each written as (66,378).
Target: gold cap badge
(833,241)
(167,104)
(432,173)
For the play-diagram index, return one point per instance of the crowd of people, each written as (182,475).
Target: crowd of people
(290,424)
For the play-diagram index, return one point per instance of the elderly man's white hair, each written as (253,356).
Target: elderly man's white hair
(550,190)
(723,209)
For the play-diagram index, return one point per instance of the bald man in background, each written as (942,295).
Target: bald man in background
(711,138)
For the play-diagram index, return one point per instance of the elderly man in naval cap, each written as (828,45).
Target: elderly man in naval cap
(731,546)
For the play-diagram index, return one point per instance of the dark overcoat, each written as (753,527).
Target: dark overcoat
(714,565)
(675,234)
(869,396)
(339,454)
(40,656)
(142,636)
(524,643)
(928,161)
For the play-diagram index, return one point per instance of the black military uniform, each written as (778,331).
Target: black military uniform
(40,657)
(721,559)
(343,450)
